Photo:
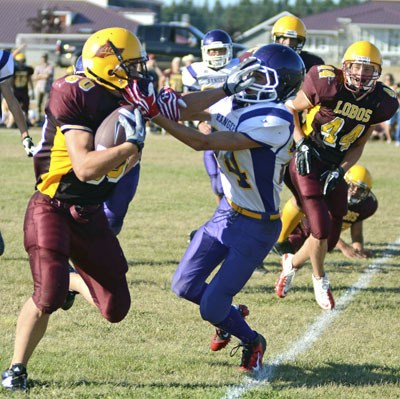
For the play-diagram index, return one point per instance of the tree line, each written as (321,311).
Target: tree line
(238,18)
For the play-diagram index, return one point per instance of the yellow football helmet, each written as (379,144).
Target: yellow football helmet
(290,27)
(362,66)
(360,183)
(20,57)
(113,56)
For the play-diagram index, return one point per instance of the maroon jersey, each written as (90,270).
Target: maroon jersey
(337,117)
(361,211)
(22,75)
(75,102)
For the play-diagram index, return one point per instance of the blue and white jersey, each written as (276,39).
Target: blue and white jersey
(253,178)
(6,70)
(6,65)
(198,76)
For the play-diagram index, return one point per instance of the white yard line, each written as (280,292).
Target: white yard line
(314,331)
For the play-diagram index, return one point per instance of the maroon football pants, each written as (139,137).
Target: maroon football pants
(324,213)
(53,234)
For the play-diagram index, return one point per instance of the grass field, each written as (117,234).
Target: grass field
(161,349)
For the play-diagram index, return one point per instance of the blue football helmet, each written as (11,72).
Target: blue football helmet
(213,40)
(283,71)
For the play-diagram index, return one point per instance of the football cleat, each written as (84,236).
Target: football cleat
(284,282)
(69,300)
(15,378)
(252,354)
(222,338)
(323,294)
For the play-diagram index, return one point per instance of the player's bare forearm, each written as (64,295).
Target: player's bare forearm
(201,100)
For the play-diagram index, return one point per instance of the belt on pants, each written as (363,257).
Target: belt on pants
(254,215)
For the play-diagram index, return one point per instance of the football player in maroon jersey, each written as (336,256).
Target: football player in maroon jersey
(342,107)
(362,204)
(65,218)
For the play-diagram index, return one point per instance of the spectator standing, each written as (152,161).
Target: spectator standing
(154,71)
(172,76)
(43,77)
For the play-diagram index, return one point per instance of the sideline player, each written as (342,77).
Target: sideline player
(253,141)
(211,72)
(342,107)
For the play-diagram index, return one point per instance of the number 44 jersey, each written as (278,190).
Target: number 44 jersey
(337,117)
(252,178)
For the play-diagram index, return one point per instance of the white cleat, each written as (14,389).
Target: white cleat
(323,294)
(285,280)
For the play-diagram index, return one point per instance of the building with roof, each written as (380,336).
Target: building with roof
(330,33)
(77,19)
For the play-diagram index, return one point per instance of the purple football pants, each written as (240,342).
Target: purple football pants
(212,168)
(117,204)
(240,243)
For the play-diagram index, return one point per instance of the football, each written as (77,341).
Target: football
(110,133)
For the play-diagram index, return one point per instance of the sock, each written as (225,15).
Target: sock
(237,326)
(291,217)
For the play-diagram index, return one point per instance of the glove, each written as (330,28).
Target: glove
(168,102)
(134,126)
(332,178)
(29,147)
(142,95)
(240,77)
(303,157)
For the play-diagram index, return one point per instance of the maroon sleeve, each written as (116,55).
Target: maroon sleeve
(364,209)
(321,83)
(77,102)
(387,103)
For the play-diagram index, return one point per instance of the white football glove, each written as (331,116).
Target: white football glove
(28,145)
(240,77)
(134,126)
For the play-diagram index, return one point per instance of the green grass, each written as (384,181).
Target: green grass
(161,349)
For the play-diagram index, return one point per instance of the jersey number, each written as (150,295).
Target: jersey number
(331,130)
(233,167)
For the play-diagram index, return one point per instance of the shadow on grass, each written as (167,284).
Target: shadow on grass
(40,384)
(283,377)
(335,373)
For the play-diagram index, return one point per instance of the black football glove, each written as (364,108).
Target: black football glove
(303,156)
(134,126)
(28,145)
(332,178)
